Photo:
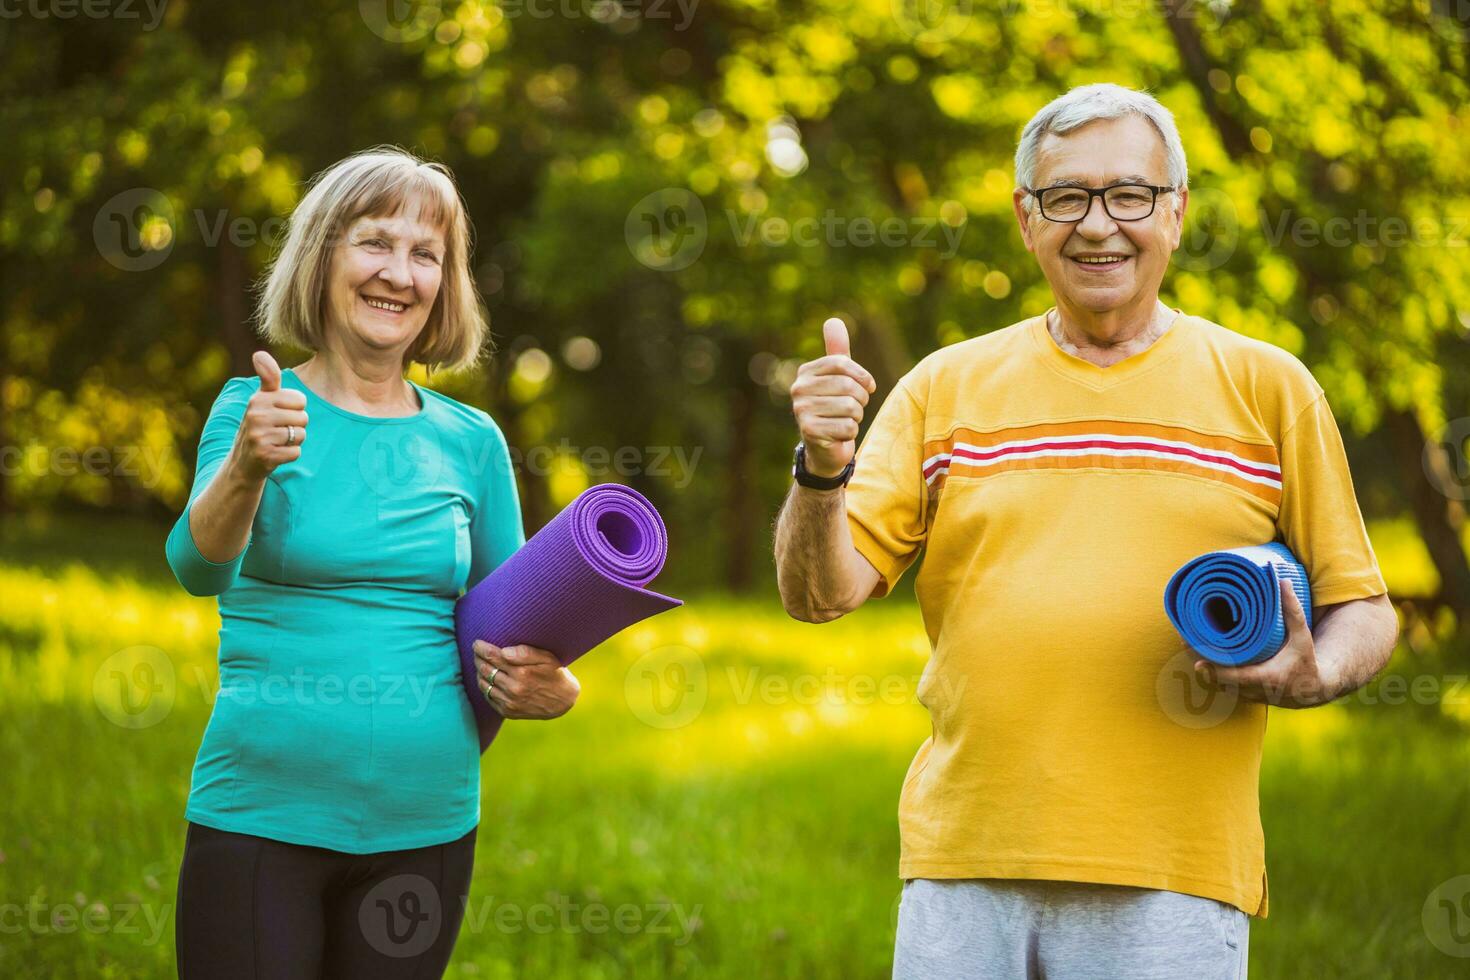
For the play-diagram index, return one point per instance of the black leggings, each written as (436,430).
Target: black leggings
(252,908)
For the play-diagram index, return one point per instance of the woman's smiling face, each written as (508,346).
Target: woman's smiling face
(384,278)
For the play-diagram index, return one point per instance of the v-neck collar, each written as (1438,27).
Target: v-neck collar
(1085,372)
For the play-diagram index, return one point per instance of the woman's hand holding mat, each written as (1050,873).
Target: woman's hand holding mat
(525,681)
(578,581)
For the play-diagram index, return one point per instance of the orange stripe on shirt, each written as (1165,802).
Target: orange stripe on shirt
(1110,444)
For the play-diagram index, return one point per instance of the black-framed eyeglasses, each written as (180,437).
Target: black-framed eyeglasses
(1122,202)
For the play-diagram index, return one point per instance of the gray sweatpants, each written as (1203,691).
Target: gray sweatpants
(1013,929)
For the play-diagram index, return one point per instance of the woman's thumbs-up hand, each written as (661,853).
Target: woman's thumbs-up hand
(260,443)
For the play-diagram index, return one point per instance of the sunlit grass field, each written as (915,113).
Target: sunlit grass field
(721,802)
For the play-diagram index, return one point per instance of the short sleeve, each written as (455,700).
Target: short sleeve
(887,495)
(1319,519)
(198,575)
(496,531)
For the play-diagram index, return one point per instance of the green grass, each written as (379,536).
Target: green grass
(761,829)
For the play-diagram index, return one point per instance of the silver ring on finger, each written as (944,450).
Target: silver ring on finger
(290,435)
(490,681)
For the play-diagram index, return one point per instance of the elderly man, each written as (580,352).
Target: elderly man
(1071,817)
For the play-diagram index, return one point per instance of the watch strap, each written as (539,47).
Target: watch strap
(811,481)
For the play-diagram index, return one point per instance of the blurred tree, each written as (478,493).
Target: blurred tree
(671,199)
(1353,136)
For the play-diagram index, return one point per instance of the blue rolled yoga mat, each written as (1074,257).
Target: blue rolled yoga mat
(1227,604)
(577,581)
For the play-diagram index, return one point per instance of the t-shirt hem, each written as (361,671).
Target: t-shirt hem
(290,836)
(1249,901)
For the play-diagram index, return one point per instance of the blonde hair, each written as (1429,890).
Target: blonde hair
(378,182)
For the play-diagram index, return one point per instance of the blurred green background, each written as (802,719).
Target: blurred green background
(636,172)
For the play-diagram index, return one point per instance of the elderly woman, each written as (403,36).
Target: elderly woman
(335,798)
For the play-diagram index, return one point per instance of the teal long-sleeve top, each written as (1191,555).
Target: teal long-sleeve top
(340,720)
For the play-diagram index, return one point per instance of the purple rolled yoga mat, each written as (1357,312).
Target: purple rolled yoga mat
(577,581)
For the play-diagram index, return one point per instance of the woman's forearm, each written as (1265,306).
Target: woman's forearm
(223,513)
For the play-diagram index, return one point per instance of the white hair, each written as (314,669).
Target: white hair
(1089,103)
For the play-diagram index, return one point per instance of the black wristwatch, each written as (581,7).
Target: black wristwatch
(813,482)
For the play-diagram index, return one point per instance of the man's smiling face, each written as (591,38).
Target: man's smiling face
(1108,151)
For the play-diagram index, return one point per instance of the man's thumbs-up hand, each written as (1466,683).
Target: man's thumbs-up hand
(834,335)
(261,442)
(828,398)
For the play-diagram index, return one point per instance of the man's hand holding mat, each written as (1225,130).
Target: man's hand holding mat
(1247,613)
(1293,677)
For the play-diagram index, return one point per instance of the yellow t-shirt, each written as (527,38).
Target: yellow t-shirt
(1054,499)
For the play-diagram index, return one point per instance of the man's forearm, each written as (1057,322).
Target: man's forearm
(815,555)
(1354,641)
